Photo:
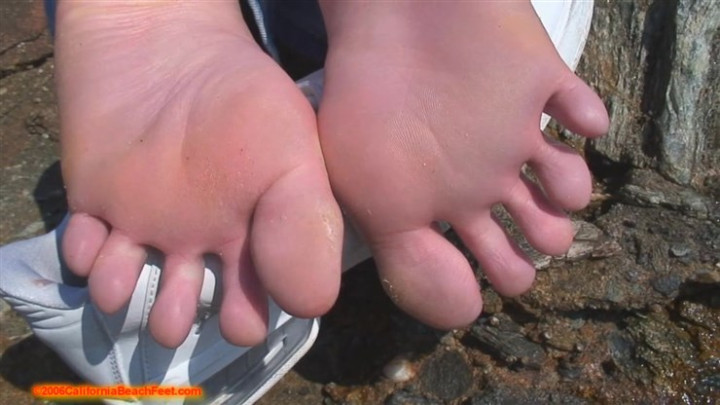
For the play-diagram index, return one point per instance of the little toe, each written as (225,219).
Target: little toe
(504,264)
(82,241)
(296,242)
(545,226)
(563,174)
(115,272)
(175,308)
(244,308)
(428,277)
(576,106)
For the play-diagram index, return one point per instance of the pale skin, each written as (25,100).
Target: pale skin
(430,111)
(179,133)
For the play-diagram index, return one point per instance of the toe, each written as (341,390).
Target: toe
(244,308)
(563,174)
(115,272)
(576,106)
(545,226)
(504,264)
(82,241)
(297,243)
(428,277)
(175,309)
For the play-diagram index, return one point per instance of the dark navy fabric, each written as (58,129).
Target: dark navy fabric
(50,7)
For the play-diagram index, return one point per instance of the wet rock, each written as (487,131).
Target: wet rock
(589,241)
(679,250)
(707,276)
(667,285)
(621,349)
(642,274)
(403,397)
(617,31)
(447,376)
(662,105)
(559,335)
(688,119)
(655,352)
(449,340)
(659,235)
(569,370)
(506,341)
(501,397)
(348,395)
(520,396)
(660,346)
(700,315)
(492,303)
(647,188)
(590,286)
(706,383)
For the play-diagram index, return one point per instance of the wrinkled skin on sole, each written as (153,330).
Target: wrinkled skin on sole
(180,134)
(430,112)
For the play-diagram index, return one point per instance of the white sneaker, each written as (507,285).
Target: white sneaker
(118,349)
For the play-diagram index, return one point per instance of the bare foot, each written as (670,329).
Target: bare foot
(429,113)
(180,134)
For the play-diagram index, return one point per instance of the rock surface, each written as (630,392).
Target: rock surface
(656,64)
(446,376)
(630,315)
(504,338)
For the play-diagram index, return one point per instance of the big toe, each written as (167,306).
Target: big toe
(426,276)
(296,242)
